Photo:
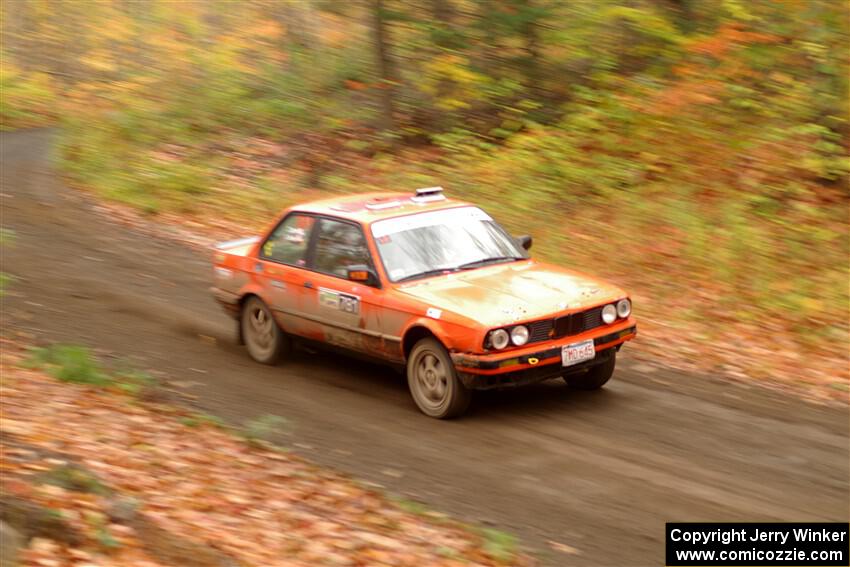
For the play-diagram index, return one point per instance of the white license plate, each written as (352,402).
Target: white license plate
(577,352)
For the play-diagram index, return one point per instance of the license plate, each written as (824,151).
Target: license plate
(577,352)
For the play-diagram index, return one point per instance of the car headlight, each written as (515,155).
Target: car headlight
(499,339)
(624,307)
(519,335)
(609,314)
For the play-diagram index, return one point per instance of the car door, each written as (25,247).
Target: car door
(281,269)
(347,311)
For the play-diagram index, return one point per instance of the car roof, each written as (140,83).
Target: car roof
(369,207)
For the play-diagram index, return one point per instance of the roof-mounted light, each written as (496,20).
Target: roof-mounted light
(428,195)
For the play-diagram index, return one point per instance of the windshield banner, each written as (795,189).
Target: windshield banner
(456,216)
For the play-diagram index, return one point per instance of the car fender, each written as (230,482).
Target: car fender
(452,335)
(253,288)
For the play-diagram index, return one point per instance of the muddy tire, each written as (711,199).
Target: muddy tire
(594,378)
(433,381)
(263,338)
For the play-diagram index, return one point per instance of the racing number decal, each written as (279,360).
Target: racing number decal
(349,303)
(337,300)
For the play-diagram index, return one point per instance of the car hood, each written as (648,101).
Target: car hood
(507,293)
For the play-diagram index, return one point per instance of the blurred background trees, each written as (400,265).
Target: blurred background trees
(422,69)
(676,143)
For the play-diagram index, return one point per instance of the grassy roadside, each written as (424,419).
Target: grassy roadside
(115,476)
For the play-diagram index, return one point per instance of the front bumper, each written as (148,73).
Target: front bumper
(532,375)
(540,362)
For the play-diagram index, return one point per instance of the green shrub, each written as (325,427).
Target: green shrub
(69,363)
(76,364)
(199,419)
(263,429)
(502,546)
(75,478)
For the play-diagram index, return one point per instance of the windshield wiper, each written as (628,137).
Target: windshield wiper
(466,266)
(485,261)
(426,273)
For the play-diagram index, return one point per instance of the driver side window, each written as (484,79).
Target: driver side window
(338,246)
(288,243)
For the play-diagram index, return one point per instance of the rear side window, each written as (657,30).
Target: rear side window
(288,243)
(338,246)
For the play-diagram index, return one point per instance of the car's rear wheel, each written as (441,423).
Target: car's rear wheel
(263,338)
(595,377)
(433,381)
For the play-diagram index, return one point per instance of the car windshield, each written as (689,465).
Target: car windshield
(425,244)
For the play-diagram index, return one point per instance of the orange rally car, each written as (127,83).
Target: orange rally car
(425,282)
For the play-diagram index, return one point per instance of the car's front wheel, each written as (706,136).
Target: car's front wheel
(433,381)
(595,377)
(263,338)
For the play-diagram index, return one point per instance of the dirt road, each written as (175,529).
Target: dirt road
(600,472)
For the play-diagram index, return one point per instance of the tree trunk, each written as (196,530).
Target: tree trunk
(443,13)
(384,63)
(531,36)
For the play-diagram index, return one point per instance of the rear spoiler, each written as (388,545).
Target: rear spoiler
(228,244)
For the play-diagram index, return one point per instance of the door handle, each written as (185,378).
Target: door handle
(308,285)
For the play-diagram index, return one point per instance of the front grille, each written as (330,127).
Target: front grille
(539,330)
(571,324)
(576,323)
(592,318)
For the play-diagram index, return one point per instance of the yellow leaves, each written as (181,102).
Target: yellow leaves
(265,29)
(453,67)
(449,79)
(116,28)
(168,46)
(99,61)
(812,305)
(334,31)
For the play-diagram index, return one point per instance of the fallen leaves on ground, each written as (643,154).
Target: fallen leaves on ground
(256,505)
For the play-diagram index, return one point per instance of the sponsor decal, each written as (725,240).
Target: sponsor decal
(345,302)
(434,313)
(457,216)
(328,298)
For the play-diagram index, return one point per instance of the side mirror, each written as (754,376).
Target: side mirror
(363,274)
(524,241)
